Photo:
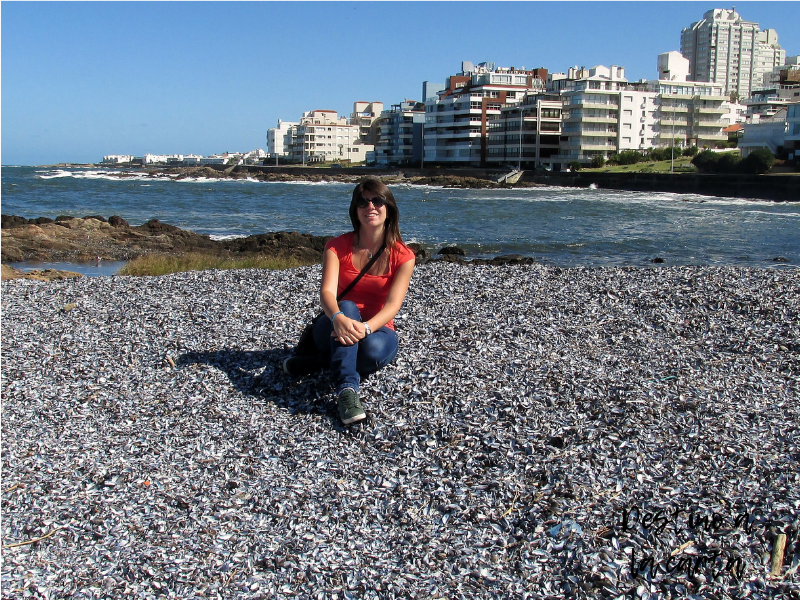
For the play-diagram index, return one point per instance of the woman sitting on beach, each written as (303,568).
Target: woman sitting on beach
(358,336)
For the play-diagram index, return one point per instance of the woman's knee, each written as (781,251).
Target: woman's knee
(350,309)
(377,351)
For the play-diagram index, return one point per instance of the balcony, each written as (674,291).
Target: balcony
(590,104)
(584,119)
(709,110)
(673,123)
(674,109)
(606,134)
(706,123)
(711,138)
(592,145)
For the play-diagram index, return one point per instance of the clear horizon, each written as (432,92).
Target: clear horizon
(86,79)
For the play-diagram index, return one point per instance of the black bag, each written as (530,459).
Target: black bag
(306,345)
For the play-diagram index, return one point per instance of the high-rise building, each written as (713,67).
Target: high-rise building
(528,133)
(400,140)
(602,114)
(366,115)
(457,119)
(724,48)
(279,139)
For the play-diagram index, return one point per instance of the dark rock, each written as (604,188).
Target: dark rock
(510,259)
(42,220)
(452,251)
(63,218)
(421,253)
(117,221)
(556,442)
(781,259)
(156,226)
(98,217)
(454,258)
(302,246)
(657,260)
(9,221)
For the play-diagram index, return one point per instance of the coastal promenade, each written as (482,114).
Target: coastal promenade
(544,432)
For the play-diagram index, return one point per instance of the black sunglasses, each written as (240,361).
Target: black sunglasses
(364,203)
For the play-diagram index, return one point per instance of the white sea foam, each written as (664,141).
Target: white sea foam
(795,215)
(220,238)
(93,174)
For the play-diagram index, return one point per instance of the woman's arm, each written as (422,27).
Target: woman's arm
(330,283)
(346,330)
(394,300)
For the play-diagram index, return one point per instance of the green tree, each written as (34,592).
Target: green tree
(598,161)
(706,161)
(729,162)
(690,151)
(758,161)
(661,154)
(629,157)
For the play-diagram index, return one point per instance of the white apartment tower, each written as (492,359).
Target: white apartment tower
(279,139)
(366,115)
(457,119)
(603,113)
(324,136)
(724,48)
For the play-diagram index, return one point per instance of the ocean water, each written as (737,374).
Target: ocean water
(556,226)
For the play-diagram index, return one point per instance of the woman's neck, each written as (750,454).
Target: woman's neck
(370,238)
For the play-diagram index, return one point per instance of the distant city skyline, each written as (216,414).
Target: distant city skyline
(83,80)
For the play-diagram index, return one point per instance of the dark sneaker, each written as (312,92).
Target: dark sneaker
(297,366)
(350,410)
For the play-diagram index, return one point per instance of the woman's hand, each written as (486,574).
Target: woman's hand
(348,331)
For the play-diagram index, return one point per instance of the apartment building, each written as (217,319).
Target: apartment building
(688,112)
(528,133)
(723,48)
(366,116)
(457,118)
(781,88)
(638,118)
(400,140)
(281,138)
(324,136)
(593,117)
(117,159)
(792,141)
(767,132)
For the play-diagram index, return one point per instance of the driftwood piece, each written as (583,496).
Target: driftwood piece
(33,541)
(778,548)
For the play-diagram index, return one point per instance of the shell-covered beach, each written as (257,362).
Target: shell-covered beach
(544,433)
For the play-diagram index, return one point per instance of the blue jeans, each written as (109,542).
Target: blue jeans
(348,363)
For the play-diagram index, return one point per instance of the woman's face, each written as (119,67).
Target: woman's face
(371,215)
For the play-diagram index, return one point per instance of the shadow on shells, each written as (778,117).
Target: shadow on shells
(260,374)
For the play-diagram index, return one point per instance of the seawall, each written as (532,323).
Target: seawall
(784,188)
(762,187)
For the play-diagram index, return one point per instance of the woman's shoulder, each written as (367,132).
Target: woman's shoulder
(402,253)
(341,243)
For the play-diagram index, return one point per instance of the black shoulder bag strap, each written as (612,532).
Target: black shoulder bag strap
(363,272)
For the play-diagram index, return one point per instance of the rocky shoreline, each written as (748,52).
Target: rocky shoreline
(487,179)
(84,239)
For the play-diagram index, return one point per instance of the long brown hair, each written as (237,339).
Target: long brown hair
(382,191)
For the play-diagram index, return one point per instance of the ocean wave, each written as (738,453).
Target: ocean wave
(791,215)
(94,174)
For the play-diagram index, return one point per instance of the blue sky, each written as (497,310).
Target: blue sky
(84,79)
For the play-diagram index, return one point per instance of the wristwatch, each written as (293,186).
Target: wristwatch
(367,329)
